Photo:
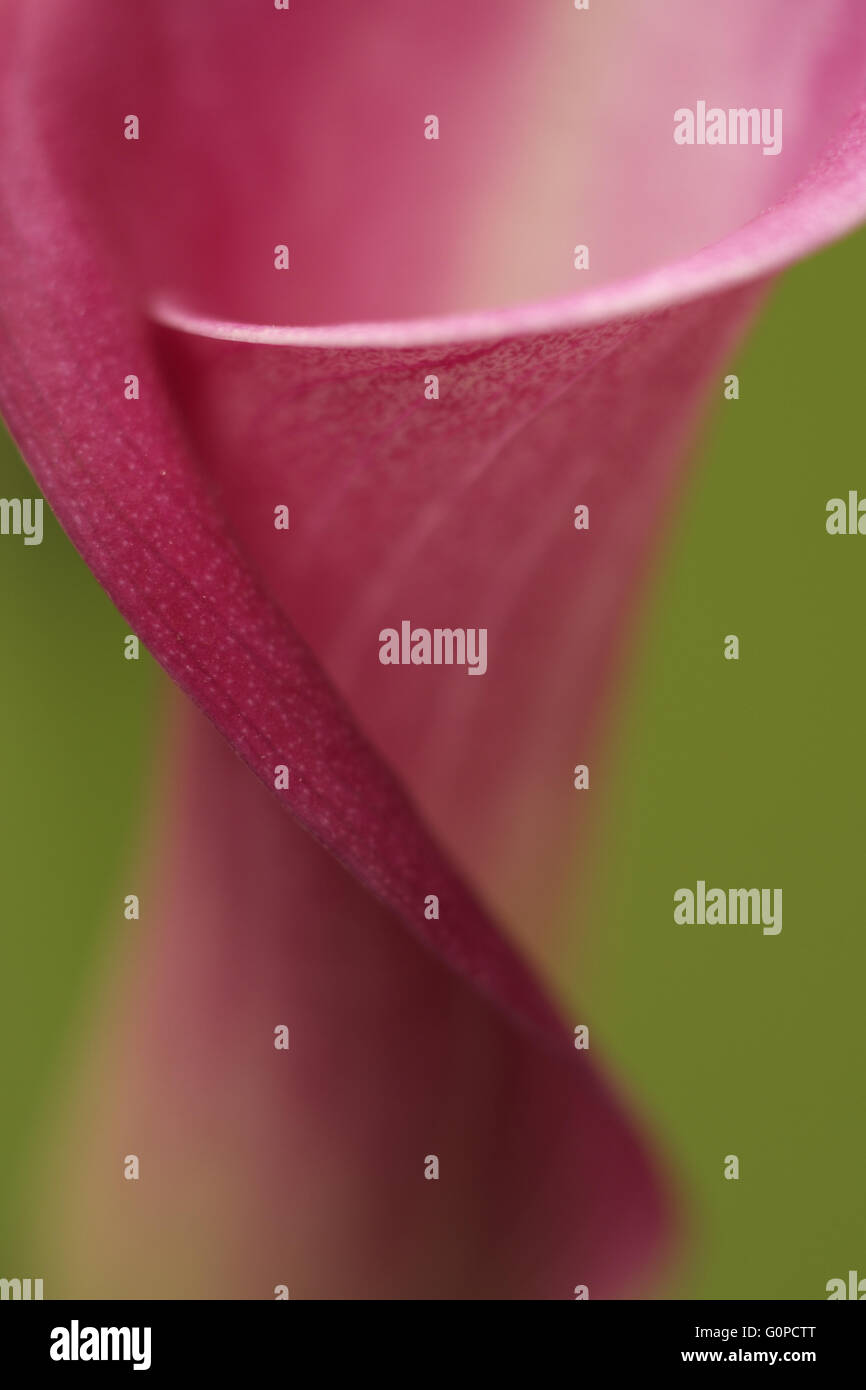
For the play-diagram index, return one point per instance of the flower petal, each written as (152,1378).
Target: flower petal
(526,427)
(551,397)
(305,1166)
(307,128)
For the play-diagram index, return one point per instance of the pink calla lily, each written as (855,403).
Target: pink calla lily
(307,387)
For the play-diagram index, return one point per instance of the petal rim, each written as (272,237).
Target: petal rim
(789,230)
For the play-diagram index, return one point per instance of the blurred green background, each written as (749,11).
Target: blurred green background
(751,773)
(76,724)
(743,773)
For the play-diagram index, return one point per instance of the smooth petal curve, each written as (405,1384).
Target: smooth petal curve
(305,1166)
(476,528)
(155,502)
(459,512)
(307,128)
(585,398)
(133,502)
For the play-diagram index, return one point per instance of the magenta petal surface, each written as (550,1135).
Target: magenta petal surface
(453,512)
(305,1166)
(156,258)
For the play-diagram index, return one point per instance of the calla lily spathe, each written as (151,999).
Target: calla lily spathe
(305,388)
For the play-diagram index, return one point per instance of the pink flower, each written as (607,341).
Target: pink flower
(445,383)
